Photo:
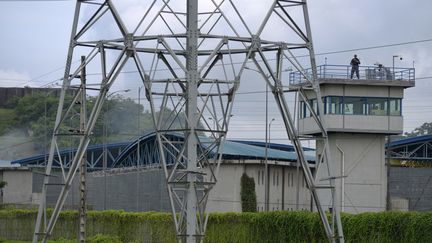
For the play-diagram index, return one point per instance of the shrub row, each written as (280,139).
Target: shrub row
(272,227)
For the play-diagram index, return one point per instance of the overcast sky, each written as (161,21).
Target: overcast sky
(35,34)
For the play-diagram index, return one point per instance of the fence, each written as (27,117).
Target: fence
(377,72)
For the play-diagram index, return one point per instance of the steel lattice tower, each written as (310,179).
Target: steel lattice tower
(202,48)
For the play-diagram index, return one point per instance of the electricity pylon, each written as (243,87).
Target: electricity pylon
(190,56)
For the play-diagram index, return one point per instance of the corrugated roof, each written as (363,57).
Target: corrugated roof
(258,152)
(231,150)
(7,164)
(412,140)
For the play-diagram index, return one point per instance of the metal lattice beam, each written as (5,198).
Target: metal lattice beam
(203,62)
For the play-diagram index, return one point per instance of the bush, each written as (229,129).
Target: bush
(247,194)
(281,226)
(99,238)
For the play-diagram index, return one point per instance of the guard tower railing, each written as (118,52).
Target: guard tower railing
(376,72)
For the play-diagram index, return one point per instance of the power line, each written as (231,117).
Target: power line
(371,47)
(427,77)
(271,59)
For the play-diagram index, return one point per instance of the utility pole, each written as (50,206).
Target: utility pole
(266,167)
(138,149)
(83,166)
(192,116)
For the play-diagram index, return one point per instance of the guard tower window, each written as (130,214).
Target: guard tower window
(377,106)
(333,105)
(314,106)
(304,110)
(354,106)
(338,105)
(395,107)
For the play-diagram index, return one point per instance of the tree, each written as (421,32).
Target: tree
(118,120)
(424,129)
(2,184)
(35,114)
(247,194)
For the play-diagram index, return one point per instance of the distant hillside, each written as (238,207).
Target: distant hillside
(7,93)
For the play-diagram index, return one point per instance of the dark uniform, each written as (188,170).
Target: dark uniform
(355,62)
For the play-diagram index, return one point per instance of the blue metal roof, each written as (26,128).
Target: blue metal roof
(235,150)
(412,140)
(238,150)
(231,150)
(30,160)
(278,146)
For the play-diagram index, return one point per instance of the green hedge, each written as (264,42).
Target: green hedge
(247,194)
(300,226)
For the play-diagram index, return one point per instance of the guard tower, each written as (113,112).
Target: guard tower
(359,115)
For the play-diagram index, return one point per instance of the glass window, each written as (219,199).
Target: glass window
(377,106)
(306,111)
(301,109)
(354,106)
(314,105)
(333,105)
(395,107)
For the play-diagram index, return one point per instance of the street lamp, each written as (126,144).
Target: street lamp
(47,95)
(139,111)
(269,129)
(266,171)
(139,126)
(138,149)
(400,58)
(214,122)
(217,122)
(266,176)
(104,128)
(105,152)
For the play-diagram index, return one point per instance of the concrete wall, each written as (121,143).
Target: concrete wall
(19,186)
(354,123)
(131,191)
(414,185)
(365,184)
(360,158)
(360,90)
(225,196)
(146,190)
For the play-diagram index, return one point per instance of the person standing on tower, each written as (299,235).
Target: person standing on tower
(355,62)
